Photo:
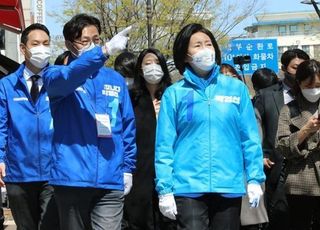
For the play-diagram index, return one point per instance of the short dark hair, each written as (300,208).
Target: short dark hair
(308,69)
(35,26)
(181,43)
(125,64)
(291,54)
(73,28)
(139,81)
(263,78)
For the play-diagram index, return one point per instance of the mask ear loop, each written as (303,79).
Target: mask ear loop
(72,48)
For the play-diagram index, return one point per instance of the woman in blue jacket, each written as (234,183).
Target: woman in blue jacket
(207,141)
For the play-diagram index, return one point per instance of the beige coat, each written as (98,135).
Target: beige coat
(303,161)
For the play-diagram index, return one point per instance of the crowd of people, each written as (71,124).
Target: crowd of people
(83,146)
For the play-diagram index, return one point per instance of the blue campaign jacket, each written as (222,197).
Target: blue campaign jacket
(26,131)
(77,93)
(207,139)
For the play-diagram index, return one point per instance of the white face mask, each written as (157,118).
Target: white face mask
(40,56)
(152,73)
(204,59)
(86,49)
(311,95)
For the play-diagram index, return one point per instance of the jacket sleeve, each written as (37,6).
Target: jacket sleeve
(60,80)
(250,141)
(259,106)
(129,133)
(3,122)
(287,142)
(165,139)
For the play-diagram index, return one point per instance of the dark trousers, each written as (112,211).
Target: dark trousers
(89,208)
(33,206)
(301,210)
(145,215)
(212,212)
(276,201)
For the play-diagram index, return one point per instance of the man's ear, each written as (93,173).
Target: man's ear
(23,49)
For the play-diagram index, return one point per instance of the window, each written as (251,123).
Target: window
(306,49)
(282,30)
(281,50)
(316,52)
(293,29)
(307,28)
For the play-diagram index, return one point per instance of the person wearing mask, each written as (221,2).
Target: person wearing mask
(206,142)
(151,80)
(298,141)
(125,65)
(26,130)
(268,103)
(94,138)
(229,70)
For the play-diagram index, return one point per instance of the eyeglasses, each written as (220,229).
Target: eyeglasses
(96,41)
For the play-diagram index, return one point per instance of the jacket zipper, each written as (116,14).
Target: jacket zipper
(210,158)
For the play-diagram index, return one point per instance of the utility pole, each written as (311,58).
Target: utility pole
(149,22)
(315,5)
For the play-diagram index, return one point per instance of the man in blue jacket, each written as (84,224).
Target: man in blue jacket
(94,138)
(25,135)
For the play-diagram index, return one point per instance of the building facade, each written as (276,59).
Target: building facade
(291,29)
(34,11)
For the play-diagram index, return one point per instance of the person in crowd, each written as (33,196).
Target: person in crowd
(252,219)
(268,102)
(26,130)
(263,78)
(206,142)
(229,70)
(94,129)
(62,59)
(125,65)
(151,79)
(298,140)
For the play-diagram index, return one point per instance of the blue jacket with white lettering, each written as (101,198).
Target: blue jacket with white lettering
(85,152)
(207,139)
(26,131)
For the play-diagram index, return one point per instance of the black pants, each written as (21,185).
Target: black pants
(144,214)
(33,206)
(301,210)
(208,212)
(89,208)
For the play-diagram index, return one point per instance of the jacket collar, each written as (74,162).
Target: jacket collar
(191,77)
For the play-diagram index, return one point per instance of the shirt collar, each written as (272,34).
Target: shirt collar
(27,73)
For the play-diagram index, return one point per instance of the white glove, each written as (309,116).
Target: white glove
(254,194)
(167,206)
(127,180)
(118,42)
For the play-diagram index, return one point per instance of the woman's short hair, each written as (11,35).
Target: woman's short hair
(263,78)
(125,64)
(291,54)
(309,69)
(181,43)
